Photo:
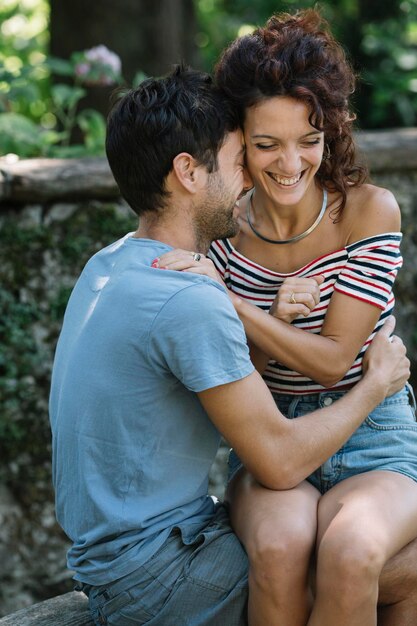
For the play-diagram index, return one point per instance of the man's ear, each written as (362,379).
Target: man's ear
(188,172)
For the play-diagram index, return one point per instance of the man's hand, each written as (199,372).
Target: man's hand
(386,357)
(296,296)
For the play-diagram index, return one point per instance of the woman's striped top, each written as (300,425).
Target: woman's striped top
(365,270)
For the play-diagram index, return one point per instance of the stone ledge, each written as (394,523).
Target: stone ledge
(70,609)
(47,180)
(388,150)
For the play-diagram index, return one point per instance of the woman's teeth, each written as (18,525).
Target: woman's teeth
(285,181)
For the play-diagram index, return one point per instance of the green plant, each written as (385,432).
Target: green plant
(51,135)
(38,114)
(391,70)
(97,66)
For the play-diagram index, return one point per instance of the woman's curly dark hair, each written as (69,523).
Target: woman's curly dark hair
(297,56)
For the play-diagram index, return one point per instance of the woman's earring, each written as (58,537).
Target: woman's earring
(326,154)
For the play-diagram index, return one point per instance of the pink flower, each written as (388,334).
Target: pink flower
(103,56)
(98,66)
(81,69)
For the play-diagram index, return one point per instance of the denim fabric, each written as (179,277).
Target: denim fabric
(386,440)
(198,580)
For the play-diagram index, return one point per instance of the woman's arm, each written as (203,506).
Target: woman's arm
(295,297)
(324,358)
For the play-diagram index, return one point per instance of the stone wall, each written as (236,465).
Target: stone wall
(53,215)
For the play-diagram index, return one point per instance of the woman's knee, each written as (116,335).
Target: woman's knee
(281,545)
(349,563)
(278,529)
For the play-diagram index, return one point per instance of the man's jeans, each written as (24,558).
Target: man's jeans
(198,580)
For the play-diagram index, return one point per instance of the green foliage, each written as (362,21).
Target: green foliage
(22,358)
(390,74)
(381,39)
(40,262)
(20,135)
(38,116)
(93,125)
(19,387)
(23,41)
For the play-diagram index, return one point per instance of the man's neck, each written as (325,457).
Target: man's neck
(176,233)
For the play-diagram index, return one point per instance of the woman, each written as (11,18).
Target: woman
(311,221)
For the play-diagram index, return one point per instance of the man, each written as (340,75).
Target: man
(153,365)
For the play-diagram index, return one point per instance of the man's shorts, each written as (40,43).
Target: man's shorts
(189,581)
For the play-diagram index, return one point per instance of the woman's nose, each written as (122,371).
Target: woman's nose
(289,162)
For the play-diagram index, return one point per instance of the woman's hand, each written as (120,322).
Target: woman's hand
(185,260)
(296,296)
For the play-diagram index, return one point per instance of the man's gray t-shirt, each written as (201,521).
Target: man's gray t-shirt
(132,445)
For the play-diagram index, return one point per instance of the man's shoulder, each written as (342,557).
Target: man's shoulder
(196,295)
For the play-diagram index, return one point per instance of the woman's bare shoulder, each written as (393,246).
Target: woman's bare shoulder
(371,210)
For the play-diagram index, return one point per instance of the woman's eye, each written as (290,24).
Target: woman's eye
(312,143)
(264,146)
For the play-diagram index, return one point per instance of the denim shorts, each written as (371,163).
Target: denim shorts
(386,440)
(194,579)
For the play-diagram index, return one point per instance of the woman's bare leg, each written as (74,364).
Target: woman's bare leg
(278,530)
(363,521)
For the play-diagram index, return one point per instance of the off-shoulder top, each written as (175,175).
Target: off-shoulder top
(365,270)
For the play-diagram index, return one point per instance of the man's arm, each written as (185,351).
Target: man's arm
(280,453)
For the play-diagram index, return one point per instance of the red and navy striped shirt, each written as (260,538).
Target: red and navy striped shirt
(365,270)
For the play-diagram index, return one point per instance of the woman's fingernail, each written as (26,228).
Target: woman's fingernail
(155,262)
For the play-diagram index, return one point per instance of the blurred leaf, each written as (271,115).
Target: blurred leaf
(138,78)
(23,90)
(60,67)
(66,96)
(93,125)
(20,135)
(5,75)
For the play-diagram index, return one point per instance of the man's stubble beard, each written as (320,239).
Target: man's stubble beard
(214,217)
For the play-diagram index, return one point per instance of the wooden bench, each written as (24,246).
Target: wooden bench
(70,609)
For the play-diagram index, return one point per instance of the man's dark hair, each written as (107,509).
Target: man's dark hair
(150,125)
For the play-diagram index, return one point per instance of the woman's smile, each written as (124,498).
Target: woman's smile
(285,180)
